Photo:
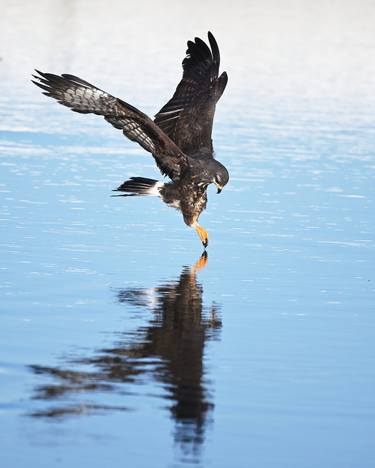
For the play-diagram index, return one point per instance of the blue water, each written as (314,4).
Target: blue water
(119,347)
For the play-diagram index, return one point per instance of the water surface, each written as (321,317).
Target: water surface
(120,345)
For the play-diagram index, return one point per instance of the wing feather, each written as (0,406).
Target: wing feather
(188,117)
(83,97)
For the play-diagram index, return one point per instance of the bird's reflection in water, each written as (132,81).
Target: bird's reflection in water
(169,348)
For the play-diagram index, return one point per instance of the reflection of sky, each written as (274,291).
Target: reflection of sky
(292,247)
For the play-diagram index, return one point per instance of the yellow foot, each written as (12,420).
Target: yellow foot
(201,263)
(202,233)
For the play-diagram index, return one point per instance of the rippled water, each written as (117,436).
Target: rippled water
(120,344)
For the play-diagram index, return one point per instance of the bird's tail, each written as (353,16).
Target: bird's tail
(140,186)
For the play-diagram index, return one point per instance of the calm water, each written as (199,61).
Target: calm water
(119,345)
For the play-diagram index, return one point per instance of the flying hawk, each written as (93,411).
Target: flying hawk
(179,138)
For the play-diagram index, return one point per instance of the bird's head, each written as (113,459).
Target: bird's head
(210,171)
(221,176)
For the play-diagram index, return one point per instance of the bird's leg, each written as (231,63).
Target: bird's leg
(202,233)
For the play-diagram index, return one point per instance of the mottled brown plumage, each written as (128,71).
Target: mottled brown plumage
(180,136)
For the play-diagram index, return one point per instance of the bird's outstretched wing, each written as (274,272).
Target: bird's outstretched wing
(187,118)
(83,97)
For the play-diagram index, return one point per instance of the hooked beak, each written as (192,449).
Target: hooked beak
(219,188)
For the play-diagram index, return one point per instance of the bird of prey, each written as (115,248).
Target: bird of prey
(179,138)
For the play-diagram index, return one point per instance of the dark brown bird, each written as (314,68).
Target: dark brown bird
(179,138)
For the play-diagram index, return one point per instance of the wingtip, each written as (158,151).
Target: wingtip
(214,47)
(211,38)
(39,72)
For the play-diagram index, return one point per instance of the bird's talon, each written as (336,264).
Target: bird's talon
(202,233)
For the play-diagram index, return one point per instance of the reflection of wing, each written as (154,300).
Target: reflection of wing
(85,98)
(187,118)
(140,297)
